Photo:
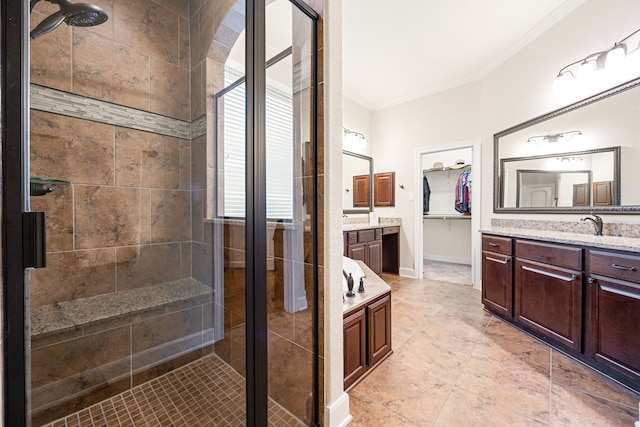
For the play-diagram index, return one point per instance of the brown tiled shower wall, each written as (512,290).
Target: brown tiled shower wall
(128,210)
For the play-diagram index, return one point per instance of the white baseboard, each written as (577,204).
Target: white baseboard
(455,260)
(407,272)
(337,414)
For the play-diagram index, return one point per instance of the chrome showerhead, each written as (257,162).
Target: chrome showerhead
(76,14)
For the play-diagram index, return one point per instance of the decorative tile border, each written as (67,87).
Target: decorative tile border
(576,227)
(73,105)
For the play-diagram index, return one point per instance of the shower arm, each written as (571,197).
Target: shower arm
(34,2)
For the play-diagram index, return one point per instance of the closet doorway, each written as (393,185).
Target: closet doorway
(447,212)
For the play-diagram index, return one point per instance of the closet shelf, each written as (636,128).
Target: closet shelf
(446,168)
(446,216)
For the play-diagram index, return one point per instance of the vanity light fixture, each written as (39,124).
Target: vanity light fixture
(611,59)
(569,159)
(352,138)
(556,137)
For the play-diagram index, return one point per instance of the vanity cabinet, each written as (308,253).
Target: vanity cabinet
(355,346)
(548,291)
(614,290)
(497,273)
(366,246)
(582,300)
(379,331)
(366,338)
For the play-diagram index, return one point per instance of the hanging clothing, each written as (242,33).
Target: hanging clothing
(463,192)
(426,195)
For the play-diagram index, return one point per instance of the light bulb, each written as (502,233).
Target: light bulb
(615,57)
(586,69)
(562,83)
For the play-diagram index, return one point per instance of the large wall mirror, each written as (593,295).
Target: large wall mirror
(580,158)
(357,179)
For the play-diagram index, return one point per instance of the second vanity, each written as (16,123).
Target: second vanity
(579,293)
(366,328)
(378,246)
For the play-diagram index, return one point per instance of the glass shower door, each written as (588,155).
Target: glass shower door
(156,306)
(126,320)
(292,315)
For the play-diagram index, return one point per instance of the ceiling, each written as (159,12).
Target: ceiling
(395,51)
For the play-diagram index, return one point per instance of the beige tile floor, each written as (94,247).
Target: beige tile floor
(447,272)
(455,365)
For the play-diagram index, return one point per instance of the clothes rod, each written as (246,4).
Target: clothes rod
(446,217)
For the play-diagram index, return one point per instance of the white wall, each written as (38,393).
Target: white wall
(449,116)
(518,90)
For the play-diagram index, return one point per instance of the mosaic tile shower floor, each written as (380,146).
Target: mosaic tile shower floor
(207,392)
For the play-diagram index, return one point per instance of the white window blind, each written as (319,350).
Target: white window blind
(279,150)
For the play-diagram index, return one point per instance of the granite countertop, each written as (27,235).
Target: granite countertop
(630,244)
(374,286)
(364,225)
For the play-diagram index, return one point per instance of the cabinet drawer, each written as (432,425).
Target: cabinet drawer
(618,266)
(352,237)
(390,230)
(562,256)
(369,235)
(501,245)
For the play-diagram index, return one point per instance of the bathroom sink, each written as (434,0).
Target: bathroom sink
(351,266)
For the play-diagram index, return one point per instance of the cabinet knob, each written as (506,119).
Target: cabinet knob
(591,280)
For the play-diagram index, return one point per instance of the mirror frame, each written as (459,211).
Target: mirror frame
(370,208)
(497,182)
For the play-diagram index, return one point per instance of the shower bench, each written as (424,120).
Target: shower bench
(74,315)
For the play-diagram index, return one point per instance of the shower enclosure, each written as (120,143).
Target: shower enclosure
(178,282)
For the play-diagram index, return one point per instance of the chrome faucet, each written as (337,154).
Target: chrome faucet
(597,223)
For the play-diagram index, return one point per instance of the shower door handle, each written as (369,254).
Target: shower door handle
(34,239)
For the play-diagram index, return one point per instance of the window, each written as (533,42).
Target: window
(231,148)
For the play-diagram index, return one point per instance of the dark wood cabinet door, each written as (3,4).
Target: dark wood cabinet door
(614,327)
(548,300)
(361,191)
(358,251)
(374,256)
(581,195)
(603,193)
(384,189)
(497,283)
(355,347)
(379,314)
